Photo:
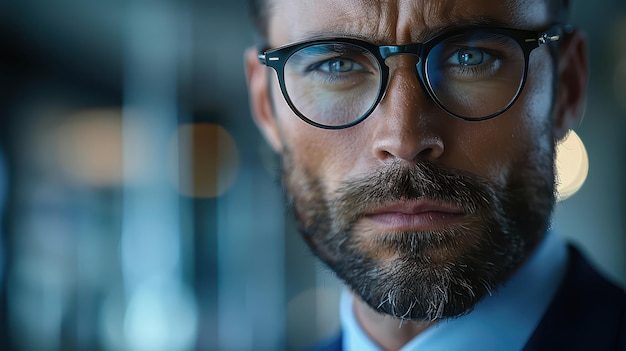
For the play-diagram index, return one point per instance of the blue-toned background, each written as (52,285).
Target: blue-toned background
(142,209)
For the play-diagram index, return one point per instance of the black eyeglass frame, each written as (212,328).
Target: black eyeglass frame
(528,40)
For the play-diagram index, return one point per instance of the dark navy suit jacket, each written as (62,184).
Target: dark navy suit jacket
(587,313)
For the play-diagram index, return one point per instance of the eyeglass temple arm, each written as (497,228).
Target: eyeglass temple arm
(264,58)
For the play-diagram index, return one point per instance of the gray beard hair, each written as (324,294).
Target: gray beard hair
(424,276)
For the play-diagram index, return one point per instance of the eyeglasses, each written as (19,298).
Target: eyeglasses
(472,73)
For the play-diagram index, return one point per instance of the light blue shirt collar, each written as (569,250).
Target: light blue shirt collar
(502,321)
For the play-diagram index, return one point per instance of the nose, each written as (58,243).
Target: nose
(406,122)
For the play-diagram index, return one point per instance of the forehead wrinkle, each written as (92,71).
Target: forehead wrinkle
(364,19)
(435,17)
(400,21)
(378,21)
(423,14)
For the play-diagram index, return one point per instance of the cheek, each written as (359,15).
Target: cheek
(535,104)
(499,147)
(326,155)
(538,95)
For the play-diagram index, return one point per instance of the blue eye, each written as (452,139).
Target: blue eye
(469,57)
(338,66)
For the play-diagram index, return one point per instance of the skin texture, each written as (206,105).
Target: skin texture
(507,160)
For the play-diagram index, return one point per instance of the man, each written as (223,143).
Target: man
(417,140)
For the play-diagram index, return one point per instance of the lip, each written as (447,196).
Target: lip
(415,215)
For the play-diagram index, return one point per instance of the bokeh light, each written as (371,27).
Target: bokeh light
(208,160)
(89,146)
(572,166)
(160,318)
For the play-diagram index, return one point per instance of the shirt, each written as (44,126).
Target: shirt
(504,320)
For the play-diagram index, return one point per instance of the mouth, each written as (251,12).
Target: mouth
(415,215)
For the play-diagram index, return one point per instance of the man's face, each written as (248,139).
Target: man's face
(420,213)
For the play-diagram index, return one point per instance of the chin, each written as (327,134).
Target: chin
(424,275)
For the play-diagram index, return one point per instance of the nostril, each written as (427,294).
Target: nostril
(410,149)
(432,148)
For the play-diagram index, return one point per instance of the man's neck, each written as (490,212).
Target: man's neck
(387,332)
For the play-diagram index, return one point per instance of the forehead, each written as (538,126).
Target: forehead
(395,21)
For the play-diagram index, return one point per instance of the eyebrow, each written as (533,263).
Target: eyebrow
(426,33)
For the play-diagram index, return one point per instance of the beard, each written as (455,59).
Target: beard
(424,275)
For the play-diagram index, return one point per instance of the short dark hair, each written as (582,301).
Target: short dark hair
(260,12)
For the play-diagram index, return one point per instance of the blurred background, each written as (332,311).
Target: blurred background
(142,210)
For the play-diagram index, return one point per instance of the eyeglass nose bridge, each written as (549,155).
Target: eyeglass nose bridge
(387,51)
(415,49)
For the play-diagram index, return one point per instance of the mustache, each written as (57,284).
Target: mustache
(399,181)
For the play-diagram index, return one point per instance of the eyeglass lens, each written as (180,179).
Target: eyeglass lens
(473,75)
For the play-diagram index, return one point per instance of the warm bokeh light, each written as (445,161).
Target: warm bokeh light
(89,146)
(572,165)
(208,160)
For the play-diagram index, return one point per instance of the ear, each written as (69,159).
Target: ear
(572,82)
(260,98)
